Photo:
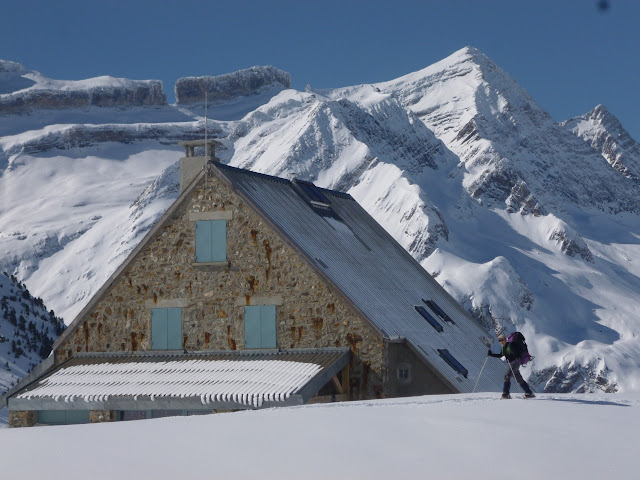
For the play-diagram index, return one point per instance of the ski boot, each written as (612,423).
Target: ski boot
(529,395)
(505,396)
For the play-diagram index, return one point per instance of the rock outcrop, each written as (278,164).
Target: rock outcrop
(145,93)
(23,90)
(225,87)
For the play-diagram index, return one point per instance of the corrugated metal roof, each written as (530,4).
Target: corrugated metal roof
(247,378)
(370,268)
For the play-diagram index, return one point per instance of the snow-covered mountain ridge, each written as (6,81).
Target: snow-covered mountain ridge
(22,90)
(525,221)
(505,139)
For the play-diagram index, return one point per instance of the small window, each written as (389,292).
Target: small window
(211,241)
(429,318)
(127,415)
(260,327)
(404,373)
(166,329)
(438,311)
(313,193)
(453,363)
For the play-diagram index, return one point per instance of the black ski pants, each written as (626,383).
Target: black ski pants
(513,369)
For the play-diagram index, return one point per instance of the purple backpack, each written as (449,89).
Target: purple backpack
(519,346)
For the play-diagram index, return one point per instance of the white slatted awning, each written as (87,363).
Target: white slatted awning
(208,380)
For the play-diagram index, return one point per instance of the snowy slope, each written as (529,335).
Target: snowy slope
(27,331)
(448,437)
(527,224)
(339,145)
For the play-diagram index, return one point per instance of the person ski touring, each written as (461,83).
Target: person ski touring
(513,354)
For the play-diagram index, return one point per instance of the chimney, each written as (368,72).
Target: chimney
(190,164)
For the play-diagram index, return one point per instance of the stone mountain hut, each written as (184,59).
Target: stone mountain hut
(254,291)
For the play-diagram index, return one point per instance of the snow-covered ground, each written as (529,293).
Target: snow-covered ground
(448,437)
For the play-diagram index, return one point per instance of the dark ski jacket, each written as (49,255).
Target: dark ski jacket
(509,350)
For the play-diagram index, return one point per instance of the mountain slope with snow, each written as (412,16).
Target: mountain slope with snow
(27,331)
(524,222)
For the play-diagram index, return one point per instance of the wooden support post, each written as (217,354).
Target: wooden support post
(345,380)
(336,383)
(342,385)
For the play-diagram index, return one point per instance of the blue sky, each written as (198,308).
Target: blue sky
(569,54)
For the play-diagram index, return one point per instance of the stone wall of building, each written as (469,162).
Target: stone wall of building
(22,418)
(261,269)
(102,416)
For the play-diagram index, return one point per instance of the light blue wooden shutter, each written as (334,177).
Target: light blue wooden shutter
(159,322)
(260,327)
(211,241)
(77,416)
(252,333)
(219,241)
(268,326)
(52,417)
(166,329)
(63,417)
(174,328)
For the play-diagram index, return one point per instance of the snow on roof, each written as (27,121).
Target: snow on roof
(248,380)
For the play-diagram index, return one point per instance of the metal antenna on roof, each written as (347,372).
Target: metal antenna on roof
(206,146)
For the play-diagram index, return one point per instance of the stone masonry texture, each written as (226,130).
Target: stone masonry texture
(102,416)
(260,264)
(22,418)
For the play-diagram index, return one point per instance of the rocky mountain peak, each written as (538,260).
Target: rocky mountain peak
(602,116)
(603,131)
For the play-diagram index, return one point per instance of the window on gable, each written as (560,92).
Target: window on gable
(453,363)
(438,311)
(429,318)
(404,373)
(211,241)
(260,326)
(166,329)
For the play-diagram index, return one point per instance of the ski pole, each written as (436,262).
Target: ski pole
(479,375)
(514,375)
